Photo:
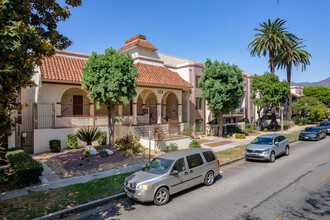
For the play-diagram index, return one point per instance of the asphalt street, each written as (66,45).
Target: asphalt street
(293,187)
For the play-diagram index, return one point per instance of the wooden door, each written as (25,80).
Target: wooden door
(77,105)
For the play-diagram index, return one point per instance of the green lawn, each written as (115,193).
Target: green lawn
(230,154)
(293,136)
(42,203)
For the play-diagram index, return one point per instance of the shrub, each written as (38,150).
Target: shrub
(300,124)
(102,140)
(239,136)
(194,144)
(265,129)
(172,147)
(89,134)
(286,124)
(127,153)
(87,153)
(103,153)
(138,147)
(126,142)
(55,145)
(232,129)
(27,170)
(248,126)
(249,130)
(188,131)
(72,141)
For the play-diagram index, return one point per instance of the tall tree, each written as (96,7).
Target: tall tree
(110,79)
(28,33)
(222,87)
(268,92)
(320,92)
(302,106)
(296,55)
(271,38)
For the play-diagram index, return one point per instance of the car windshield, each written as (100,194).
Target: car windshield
(263,140)
(312,129)
(324,124)
(158,166)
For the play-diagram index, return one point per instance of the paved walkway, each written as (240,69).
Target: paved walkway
(50,180)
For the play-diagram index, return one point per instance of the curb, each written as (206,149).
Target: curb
(81,207)
(242,158)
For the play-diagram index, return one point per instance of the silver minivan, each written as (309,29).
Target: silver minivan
(171,173)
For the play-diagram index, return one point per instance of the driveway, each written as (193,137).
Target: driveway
(294,187)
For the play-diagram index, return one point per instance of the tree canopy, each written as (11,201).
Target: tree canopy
(302,106)
(268,92)
(28,33)
(222,87)
(320,92)
(110,79)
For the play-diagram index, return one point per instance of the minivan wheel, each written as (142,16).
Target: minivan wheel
(162,196)
(209,178)
(272,157)
(287,151)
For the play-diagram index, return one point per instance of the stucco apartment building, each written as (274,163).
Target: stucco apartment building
(167,90)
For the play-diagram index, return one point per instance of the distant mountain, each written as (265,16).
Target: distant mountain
(325,82)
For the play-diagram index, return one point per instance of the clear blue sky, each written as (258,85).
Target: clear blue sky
(218,29)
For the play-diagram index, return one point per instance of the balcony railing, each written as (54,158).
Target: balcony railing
(238,111)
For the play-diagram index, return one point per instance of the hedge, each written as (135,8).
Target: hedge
(55,145)
(27,170)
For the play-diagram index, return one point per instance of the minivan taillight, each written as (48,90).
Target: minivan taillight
(218,163)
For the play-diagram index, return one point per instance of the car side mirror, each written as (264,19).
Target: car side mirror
(174,172)
(276,143)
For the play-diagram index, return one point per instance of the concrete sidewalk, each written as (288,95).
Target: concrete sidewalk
(50,180)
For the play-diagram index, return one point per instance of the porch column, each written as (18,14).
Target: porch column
(134,103)
(180,112)
(91,109)
(120,110)
(164,110)
(159,113)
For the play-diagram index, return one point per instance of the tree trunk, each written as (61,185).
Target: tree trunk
(273,122)
(288,75)
(220,124)
(111,122)
(271,61)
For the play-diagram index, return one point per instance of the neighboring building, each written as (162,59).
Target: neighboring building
(167,91)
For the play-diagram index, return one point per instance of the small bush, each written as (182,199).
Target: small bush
(286,124)
(55,145)
(103,153)
(27,170)
(127,153)
(126,142)
(138,147)
(102,140)
(239,136)
(13,149)
(265,129)
(89,134)
(194,144)
(249,130)
(87,153)
(72,141)
(188,131)
(301,121)
(232,129)
(300,124)
(248,126)
(172,147)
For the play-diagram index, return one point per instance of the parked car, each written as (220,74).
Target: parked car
(267,147)
(171,173)
(312,133)
(326,126)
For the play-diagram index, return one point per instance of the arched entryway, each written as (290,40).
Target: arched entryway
(74,101)
(147,107)
(170,106)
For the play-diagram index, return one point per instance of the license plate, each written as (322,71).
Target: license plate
(306,137)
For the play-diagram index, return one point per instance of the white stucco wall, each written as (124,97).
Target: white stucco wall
(182,142)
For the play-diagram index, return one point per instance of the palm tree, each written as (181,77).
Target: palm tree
(293,54)
(272,38)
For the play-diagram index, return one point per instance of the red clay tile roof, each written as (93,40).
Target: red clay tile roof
(65,68)
(159,75)
(138,40)
(62,68)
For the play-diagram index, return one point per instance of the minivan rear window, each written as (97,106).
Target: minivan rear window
(209,156)
(194,160)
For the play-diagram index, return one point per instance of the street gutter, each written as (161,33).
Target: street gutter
(102,201)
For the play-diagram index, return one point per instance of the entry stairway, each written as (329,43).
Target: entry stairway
(143,130)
